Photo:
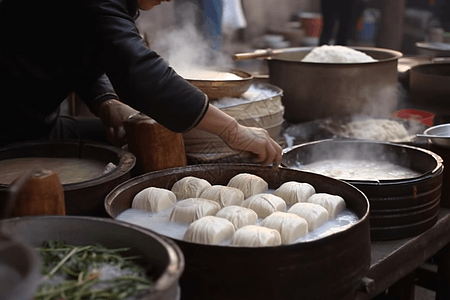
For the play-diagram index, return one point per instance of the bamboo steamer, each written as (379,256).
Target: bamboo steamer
(263,110)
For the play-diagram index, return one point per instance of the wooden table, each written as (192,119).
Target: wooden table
(393,262)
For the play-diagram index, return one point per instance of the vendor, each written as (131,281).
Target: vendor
(50,48)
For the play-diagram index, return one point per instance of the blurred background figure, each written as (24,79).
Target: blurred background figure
(206,15)
(342,14)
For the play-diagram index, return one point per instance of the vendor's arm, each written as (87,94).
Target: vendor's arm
(101,99)
(141,78)
(244,139)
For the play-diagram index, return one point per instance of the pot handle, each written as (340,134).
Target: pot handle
(366,285)
(257,54)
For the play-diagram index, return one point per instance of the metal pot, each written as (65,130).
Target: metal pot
(327,268)
(398,208)
(20,267)
(81,198)
(163,258)
(430,86)
(320,90)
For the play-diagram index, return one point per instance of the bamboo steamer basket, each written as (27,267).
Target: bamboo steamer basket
(265,112)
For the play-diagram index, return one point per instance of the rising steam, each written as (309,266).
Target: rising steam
(185,48)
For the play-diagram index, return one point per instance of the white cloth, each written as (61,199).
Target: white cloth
(233,14)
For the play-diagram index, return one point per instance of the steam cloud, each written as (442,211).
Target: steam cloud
(185,48)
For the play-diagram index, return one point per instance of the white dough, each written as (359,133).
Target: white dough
(293,192)
(224,195)
(290,226)
(189,210)
(238,215)
(189,187)
(249,184)
(332,203)
(314,214)
(209,230)
(265,204)
(255,236)
(154,199)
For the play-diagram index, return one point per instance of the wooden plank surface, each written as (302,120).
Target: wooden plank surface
(393,260)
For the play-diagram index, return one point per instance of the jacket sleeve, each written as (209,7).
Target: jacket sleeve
(95,91)
(140,77)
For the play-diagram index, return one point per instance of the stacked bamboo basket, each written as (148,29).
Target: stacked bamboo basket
(260,106)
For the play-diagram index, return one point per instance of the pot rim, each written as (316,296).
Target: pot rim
(437,170)
(127,160)
(109,199)
(395,56)
(176,261)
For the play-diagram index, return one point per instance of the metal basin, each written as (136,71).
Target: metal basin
(320,90)
(398,208)
(161,256)
(441,135)
(85,197)
(296,271)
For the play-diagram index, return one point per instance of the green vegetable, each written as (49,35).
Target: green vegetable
(80,266)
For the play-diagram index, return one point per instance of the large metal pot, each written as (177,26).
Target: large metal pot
(398,208)
(85,197)
(327,268)
(430,86)
(161,256)
(320,90)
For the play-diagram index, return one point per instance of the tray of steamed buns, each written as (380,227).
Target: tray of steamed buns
(253,232)
(242,209)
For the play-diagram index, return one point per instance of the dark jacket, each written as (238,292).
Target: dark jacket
(50,48)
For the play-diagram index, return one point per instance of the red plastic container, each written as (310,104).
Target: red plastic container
(312,22)
(421,116)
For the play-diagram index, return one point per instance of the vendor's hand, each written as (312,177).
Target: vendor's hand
(252,141)
(113,114)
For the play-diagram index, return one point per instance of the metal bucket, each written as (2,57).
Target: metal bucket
(81,198)
(398,208)
(161,256)
(326,268)
(320,90)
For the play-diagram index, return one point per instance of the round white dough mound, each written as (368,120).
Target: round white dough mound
(209,230)
(189,187)
(224,195)
(290,226)
(238,215)
(264,204)
(293,192)
(332,203)
(249,184)
(189,210)
(336,54)
(255,236)
(314,214)
(154,199)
